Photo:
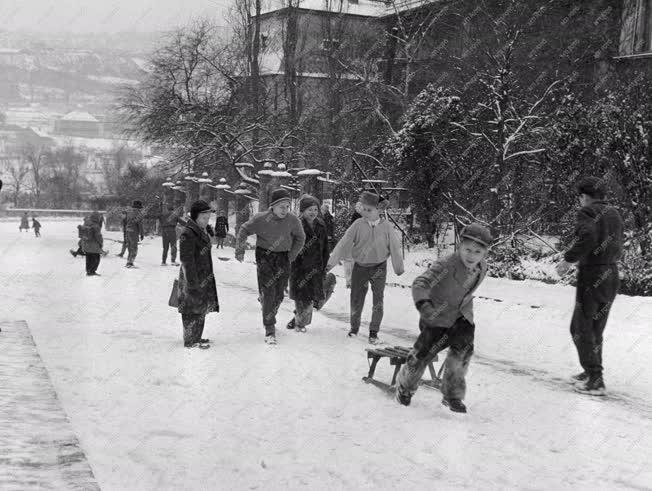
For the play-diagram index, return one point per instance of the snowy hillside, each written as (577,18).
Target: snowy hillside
(243,415)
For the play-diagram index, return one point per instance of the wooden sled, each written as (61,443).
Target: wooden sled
(397,357)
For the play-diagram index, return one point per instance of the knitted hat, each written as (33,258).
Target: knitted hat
(593,186)
(279,195)
(137,204)
(306,201)
(198,207)
(477,233)
(372,199)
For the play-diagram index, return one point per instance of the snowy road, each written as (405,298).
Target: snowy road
(242,415)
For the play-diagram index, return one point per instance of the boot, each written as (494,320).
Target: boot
(594,386)
(270,339)
(373,338)
(74,253)
(402,397)
(352,333)
(455,405)
(580,377)
(291,324)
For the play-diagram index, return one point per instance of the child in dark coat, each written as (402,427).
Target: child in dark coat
(443,295)
(36,225)
(221,229)
(92,243)
(280,238)
(197,290)
(24,223)
(134,231)
(597,248)
(308,269)
(370,241)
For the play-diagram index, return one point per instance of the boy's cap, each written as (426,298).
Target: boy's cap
(306,201)
(198,207)
(279,195)
(593,186)
(372,199)
(477,233)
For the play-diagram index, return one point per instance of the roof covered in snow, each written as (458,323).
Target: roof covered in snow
(370,8)
(80,116)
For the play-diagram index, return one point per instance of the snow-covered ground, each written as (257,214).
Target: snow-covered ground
(152,415)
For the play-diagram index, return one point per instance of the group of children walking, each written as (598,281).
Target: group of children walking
(295,249)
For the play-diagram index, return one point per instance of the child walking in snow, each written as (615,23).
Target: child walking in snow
(24,223)
(370,240)
(280,237)
(134,230)
(443,295)
(308,270)
(36,225)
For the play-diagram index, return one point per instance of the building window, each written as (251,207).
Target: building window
(636,30)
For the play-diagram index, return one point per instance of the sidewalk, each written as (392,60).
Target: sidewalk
(38,449)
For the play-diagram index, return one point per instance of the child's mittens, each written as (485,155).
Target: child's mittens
(428,313)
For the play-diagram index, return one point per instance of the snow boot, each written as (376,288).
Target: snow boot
(594,386)
(373,338)
(455,405)
(164,263)
(580,377)
(270,339)
(93,274)
(73,253)
(403,398)
(174,263)
(202,345)
(352,333)
(291,324)
(204,340)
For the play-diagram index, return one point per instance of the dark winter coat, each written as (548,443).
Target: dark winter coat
(134,222)
(308,269)
(36,224)
(169,221)
(91,237)
(197,290)
(221,227)
(24,222)
(598,247)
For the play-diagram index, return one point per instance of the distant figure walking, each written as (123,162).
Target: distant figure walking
(134,231)
(125,244)
(169,221)
(36,225)
(24,223)
(221,229)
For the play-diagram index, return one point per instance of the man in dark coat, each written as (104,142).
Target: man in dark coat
(134,230)
(92,243)
(221,229)
(169,221)
(197,290)
(597,248)
(308,269)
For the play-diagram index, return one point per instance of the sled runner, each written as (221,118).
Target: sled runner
(397,357)
(329,288)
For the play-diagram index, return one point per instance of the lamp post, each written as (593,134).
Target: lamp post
(222,197)
(264,178)
(309,183)
(205,190)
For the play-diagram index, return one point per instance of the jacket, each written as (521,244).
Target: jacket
(197,290)
(134,222)
(307,270)
(446,284)
(598,236)
(369,245)
(221,226)
(169,220)
(91,237)
(273,233)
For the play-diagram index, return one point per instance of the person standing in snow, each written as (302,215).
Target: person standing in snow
(24,223)
(125,243)
(370,241)
(443,295)
(134,231)
(280,238)
(221,229)
(197,290)
(92,242)
(597,248)
(169,221)
(307,271)
(36,225)
(329,221)
(347,263)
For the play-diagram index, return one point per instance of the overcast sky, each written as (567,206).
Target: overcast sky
(104,15)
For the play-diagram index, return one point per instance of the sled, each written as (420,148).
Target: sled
(329,288)
(397,357)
